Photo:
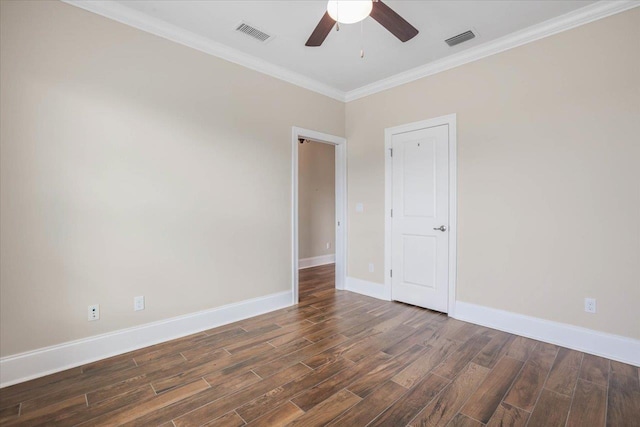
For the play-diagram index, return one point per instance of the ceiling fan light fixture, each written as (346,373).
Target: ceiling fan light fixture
(349,11)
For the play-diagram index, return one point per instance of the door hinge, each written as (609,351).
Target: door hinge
(391,213)
(390,273)
(391,151)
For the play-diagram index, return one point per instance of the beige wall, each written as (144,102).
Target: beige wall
(131,165)
(548,174)
(316,199)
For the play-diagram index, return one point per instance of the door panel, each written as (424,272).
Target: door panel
(420,205)
(418,180)
(415,251)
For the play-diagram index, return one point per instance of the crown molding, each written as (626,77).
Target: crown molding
(144,22)
(584,15)
(141,21)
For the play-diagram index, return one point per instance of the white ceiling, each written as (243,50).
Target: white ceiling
(337,62)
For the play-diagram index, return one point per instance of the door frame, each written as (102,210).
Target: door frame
(450,120)
(341,203)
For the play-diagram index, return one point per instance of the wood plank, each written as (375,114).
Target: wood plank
(327,410)
(494,350)
(619,368)
(466,331)
(484,401)
(442,409)
(457,360)
(338,351)
(316,394)
(564,373)
(201,411)
(227,384)
(527,387)
(419,337)
(109,365)
(435,353)
(343,311)
(281,416)
(373,322)
(103,407)
(17,393)
(169,383)
(52,412)
(403,410)
(551,410)
(405,313)
(595,369)
(333,326)
(447,327)
(90,383)
(297,333)
(136,410)
(366,383)
(521,348)
(171,348)
(224,386)
(507,415)
(277,396)
(588,406)
(258,358)
(9,413)
(170,366)
(464,421)
(544,355)
(366,410)
(230,419)
(623,404)
(298,356)
(376,342)
(428,317)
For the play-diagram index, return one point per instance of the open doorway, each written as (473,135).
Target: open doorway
(318,201)
(316,217)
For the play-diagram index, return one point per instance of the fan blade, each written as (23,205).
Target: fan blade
(393,22)
(322,31)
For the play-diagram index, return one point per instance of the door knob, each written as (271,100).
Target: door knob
(441,228)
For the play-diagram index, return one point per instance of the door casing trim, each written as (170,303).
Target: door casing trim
(449,120)
(341,203)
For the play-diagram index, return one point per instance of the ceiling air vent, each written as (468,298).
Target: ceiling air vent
(460,38)
(253,32)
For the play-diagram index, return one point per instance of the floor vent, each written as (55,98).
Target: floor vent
(253,32)
(460,38)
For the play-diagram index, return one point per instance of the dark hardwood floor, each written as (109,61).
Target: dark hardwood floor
(339,359)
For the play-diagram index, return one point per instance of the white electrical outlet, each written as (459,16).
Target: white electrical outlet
(94,312)
(370,267)
(138,303)
(328,245)
(590,305)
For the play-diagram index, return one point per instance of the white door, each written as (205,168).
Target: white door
(420,238)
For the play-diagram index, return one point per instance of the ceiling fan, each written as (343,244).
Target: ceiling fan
(352,11)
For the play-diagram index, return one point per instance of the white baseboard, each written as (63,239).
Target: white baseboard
(611,346)
(316,261)
(37,363)
(364,287)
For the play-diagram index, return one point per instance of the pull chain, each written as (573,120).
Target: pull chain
(337,16)
(362,39)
